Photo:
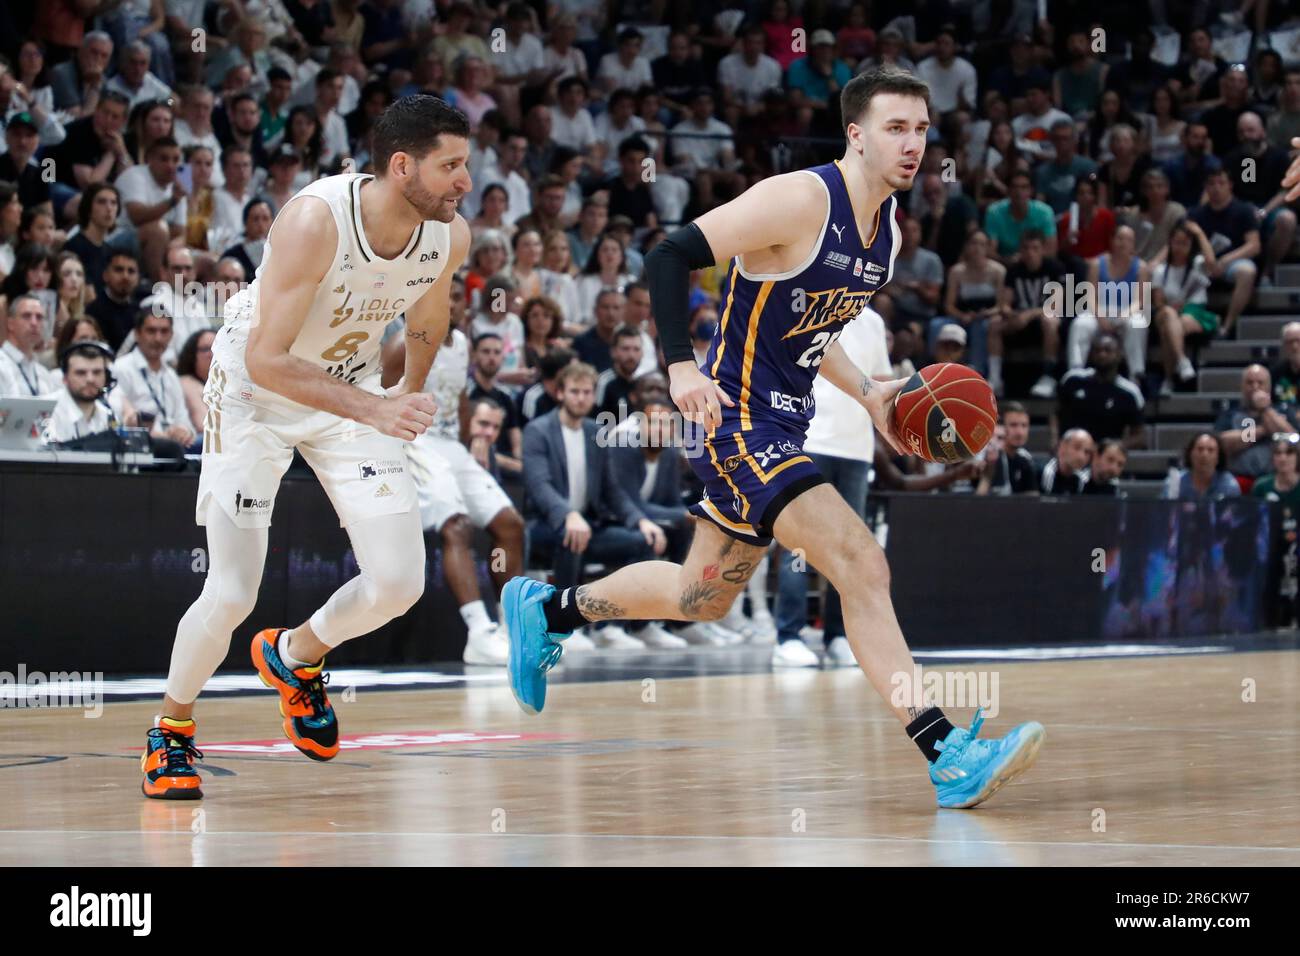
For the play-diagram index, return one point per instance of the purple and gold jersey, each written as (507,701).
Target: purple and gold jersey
(772,335)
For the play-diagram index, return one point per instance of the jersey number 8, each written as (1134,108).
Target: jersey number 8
(346,346)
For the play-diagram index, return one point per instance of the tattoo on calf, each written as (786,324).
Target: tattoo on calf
(596,608)
(696,596)
(739,574)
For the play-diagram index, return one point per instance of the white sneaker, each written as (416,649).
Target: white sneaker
(839,654)
(654,635)
(725,635)
(611,637)
(579,641)
(762,627)
(811,635)
(763,638)
(735,620)
(1186,371)
(794,654)
(1045,387)
(486,645)
(1166,388)
(701,634)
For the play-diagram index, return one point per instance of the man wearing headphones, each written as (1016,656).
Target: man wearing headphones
(83,408)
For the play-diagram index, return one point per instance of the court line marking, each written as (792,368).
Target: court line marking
(801,838)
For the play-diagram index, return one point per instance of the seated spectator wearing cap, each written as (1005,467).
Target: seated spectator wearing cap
(1277,223)
(1033,127)
(1244,428)
(1107,466)
(1286,373)
(1066,472)
(1232,227)
(972,301)
(118,306)
(21,373)
(1116,282)
(1178,296)
(625,68)
(82,409)
(1204,475)
(1006,220)
(745,74)
(818,78)
(950,344)
(153,203)
(953,81)
(152,385)
(1099,400)
(1056,178)
(1026,300)
(18,165)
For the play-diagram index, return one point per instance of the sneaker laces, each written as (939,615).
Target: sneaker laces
(313,693)
(180,752)
(967,737)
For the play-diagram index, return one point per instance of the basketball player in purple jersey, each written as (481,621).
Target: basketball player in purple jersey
(806,251)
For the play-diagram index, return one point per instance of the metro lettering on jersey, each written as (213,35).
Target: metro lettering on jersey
(828,307)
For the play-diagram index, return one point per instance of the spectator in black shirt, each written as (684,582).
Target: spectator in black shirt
(1268,165)
(593,346)
(1067,472)
(97,214)
(116,310)
(1107,466)
(1187,171)
(314,20)
(677,74)
(17,165)
(1199,74)
(544,395)
(1286,373)
(1009,468)
(1024,302)
(1233,230)
(1221,120)
(629,194)
(615,383)
(485,363)
(1014,79)
(94,151)
(1099,400)
(1138,77)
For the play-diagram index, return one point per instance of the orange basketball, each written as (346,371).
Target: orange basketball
(946,413)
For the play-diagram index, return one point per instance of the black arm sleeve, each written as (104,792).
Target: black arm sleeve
(668,277)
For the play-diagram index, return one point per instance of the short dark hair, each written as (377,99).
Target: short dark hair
(489,401)
(1013,408)
(552,360)
(144,315)
(483,337)
(633,144)
(625,332)
(1106,444)
(239,98)
(277,73)
(415,125)
(326,75)
(162,142)
(855,98)
(113,96)
(569,82)
(1032,235)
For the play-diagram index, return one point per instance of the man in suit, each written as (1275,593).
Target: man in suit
(576,509)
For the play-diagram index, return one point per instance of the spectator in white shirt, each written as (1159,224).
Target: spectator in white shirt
(334,132)
(616,124)
(134,81)
(1033,128)
(153,201)
(709,160)
(21,375)
(953,81)
(153,386)
(626,68)
(510,160)
(178,295)
(521,68)
(571,122)
(83,409)
(194,125)
(560,51)
(746,75)
(229,201)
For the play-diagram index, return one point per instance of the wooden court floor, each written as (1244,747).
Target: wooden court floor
(1147,761)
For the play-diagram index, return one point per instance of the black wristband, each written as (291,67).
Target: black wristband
(668,277)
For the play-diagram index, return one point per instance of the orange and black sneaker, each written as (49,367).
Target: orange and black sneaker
(309,720)
(168,761)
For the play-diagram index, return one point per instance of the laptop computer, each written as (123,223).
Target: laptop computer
(22,422)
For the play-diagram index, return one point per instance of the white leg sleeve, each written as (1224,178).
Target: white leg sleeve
(1082,330)
(1135,345)
(390,553)
(236,557)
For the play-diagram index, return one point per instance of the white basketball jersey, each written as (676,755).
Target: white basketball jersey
(359,295)
(447,380)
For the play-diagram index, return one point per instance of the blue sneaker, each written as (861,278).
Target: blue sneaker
(533,649)
(969,770)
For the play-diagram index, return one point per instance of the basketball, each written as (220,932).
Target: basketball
(946,413)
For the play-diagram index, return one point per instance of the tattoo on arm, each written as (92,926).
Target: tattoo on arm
(418,334)
(867,385)
(596,608)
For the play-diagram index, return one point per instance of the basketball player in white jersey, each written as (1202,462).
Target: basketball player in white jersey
(296,366)
(456,493)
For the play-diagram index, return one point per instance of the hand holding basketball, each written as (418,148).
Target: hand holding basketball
(697,396)
(946,413)
(879,398)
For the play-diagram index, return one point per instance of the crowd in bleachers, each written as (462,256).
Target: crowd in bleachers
(148,145)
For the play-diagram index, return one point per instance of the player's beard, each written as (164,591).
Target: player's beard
(428,204)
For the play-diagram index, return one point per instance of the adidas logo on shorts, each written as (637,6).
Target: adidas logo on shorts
(384,491)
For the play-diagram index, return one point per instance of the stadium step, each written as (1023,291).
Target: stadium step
(1193,406)
(1218,379)
(1239,352)
(1142,488)
(1288,274)
(1172,439)
(1263,326)
(1280,298)
(1149,464)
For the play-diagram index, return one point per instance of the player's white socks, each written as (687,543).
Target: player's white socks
(475,616)
(282,648)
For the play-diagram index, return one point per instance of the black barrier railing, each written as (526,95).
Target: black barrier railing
(96,569)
